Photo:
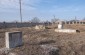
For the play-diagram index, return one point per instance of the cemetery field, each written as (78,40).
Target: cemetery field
(67,43)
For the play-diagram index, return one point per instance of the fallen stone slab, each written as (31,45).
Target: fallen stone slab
(50,50)
(67,30)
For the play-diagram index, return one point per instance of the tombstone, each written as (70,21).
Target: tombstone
(60,25)
(13,39)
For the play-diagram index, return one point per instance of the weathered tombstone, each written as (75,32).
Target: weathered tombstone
(60,25)
(13,39)
(39,27)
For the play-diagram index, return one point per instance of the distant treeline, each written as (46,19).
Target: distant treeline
(19,25)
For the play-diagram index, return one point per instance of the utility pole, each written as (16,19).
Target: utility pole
(20,10)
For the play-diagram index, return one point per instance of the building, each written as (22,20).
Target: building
(72,22)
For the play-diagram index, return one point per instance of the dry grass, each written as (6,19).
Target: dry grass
(68,44)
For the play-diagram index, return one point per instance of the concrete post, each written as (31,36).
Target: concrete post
(60,25)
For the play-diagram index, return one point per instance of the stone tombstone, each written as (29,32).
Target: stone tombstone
(13,39)
(60,25)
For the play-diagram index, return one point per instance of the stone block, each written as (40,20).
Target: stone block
(66,30)
(39,27)
(50,50)
(13,39)
(60,26)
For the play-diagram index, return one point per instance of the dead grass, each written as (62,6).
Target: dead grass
(69,44)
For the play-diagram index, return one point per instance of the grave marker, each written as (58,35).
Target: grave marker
(13,39)
(60,25)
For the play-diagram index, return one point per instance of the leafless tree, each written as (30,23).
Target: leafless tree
(35,20)
(54,20)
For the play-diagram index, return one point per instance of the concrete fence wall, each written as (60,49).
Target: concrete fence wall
(72,22)
(75,22)
(18,25)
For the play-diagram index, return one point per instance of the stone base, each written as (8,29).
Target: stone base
(66,30)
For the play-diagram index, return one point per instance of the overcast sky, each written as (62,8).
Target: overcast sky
(44,9)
